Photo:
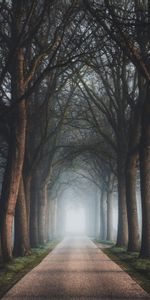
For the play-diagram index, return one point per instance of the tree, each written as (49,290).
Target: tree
(127,24)
(33,57)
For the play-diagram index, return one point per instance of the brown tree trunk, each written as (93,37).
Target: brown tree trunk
(133,226)
(27,186)
(42,215)
(145,177)
(131,177)
(16,161)
(34,238)
(52,218)
(102,216)
(109,216)
(21,244)
(48,221)
(97,215)
(122,234)
(13,188)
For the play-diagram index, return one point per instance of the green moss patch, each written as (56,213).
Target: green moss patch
(13,271)
(137,268)
(109,243)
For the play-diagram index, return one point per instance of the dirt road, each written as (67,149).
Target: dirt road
(76,269)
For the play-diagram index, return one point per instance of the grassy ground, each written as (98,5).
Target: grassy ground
(13,271)
(137,268)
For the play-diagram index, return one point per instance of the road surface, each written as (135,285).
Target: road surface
(76,269)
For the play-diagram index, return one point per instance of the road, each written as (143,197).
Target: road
(76,269)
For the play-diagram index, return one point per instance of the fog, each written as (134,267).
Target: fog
(78,208)
(75,220)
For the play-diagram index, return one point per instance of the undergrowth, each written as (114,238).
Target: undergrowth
(138,268)
(13,271)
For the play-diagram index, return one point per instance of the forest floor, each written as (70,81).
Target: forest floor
(137,268)
(76,269)
(13,271)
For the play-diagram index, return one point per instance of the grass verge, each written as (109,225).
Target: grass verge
(13,271)
(137,268)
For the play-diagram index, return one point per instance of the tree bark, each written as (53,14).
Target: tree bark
(27,186)
(109,216)
(34,237)
(133,226)
(21,244)
(16,159)
(131,177)
(48,222)
(102,216)
(42,215)
(53,218)
(122,234)
(145,177)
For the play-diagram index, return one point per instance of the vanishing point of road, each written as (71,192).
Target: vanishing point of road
(76,269)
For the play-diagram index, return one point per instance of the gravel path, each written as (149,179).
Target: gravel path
(76,269)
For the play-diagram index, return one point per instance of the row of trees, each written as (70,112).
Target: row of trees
(74,79)
(37,46)
(127,26)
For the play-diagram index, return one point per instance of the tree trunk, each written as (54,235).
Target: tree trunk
(145,177)
(27,185)
(34,238)
(97,218)
(42,215)
(122,234)
(131,177)
(48,221)
(53,218)
(102,216)
(21,245)
(16,166)
(16,159)
(109,216)
(133,226)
